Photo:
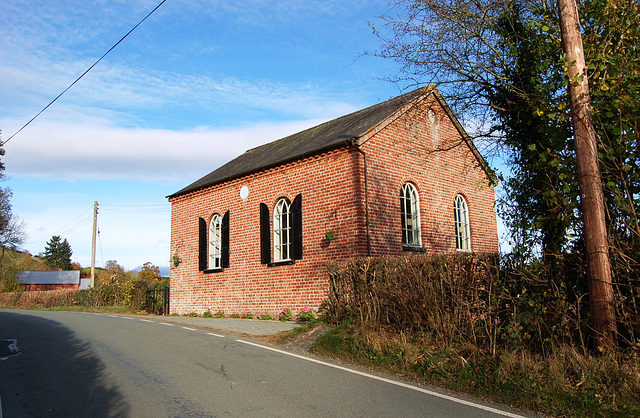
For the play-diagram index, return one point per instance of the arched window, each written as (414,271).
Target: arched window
(410,212)
(287,232)
(282,230)
(215,242)
(461,214)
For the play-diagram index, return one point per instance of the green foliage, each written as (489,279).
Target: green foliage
(285,314)
(505,71)
(219,314)
(247,315)
(149,272)
(131,295)
(263,316)
(115,271)
(207,314)
(542,204)
(58,253)
(307,315)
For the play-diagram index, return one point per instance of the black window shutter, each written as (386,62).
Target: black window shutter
(202,244)
(403,215)
(225,240)
(296,228)
(265,235)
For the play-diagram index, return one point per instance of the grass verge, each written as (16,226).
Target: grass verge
(564,383)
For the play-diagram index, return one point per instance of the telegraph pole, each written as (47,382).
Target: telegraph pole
(603,315)
(93,243)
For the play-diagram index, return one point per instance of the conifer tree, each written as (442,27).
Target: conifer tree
(58,253)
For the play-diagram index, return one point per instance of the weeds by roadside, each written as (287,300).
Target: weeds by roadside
(517,333)
(565,383)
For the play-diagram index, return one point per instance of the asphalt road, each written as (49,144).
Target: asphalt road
(75,364)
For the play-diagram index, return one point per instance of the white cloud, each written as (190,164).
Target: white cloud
(94,150)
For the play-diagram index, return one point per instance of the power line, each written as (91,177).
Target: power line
(68,227)
(83,74)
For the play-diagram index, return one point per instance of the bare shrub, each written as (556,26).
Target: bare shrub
(483,300)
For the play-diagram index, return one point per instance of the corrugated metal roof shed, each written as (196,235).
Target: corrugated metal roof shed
(49,277)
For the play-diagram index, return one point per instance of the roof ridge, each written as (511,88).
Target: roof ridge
(327,135)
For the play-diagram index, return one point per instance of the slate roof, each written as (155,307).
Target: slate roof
(49,277)
(329,135)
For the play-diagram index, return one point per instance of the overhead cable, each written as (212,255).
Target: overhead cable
(83,74)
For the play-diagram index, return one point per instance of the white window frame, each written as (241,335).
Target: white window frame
(411,213)
(215,242)
(461,214)
(282,230)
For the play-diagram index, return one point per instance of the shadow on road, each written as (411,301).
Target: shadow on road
(57,374)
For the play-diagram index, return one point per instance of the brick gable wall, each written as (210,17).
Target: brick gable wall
(429,153)
(332,185)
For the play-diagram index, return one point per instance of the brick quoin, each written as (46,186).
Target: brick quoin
(421,144)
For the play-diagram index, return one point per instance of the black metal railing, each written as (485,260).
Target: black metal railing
(158,301)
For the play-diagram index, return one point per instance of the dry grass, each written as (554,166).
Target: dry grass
(566,382)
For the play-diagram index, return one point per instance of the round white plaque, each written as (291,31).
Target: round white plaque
(244,192)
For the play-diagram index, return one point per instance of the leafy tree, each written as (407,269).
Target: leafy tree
(58,253)
(115,271)
(149,272)
(11,227)
(500,64)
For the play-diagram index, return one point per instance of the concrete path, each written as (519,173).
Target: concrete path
(237,326)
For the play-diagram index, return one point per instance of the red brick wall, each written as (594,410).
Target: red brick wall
(431,155)
(330,201)
(333,199)
(39,287)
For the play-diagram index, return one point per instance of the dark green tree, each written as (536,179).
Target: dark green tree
(58,253)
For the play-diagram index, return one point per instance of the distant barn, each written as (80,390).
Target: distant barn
(52,280)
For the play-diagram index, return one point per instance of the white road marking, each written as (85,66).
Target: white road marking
(144,320)
(164,323)
(190,329)
(215,335)
(114,316)
(127,317)
(12,345)
(389,381)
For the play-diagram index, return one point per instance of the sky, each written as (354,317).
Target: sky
(195,85)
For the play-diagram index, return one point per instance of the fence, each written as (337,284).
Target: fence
(158,301)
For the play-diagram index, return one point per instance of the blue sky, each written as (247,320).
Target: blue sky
(198,83)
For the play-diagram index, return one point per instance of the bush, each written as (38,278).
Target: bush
(130,294)
(307,315)
(285,314)
(489,302)
(263,316)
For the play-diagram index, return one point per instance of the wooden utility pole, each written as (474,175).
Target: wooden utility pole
(93,243)
(603,314)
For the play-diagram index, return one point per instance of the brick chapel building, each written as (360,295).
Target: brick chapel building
(400,177)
